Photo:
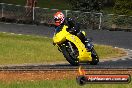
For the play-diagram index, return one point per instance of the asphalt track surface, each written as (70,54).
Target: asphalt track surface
(114,38)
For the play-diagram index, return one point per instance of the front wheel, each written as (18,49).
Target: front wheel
(95,57)
(71,58)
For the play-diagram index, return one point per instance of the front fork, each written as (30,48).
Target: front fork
(71,47)
(69,44)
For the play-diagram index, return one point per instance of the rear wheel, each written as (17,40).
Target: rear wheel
(95,57)
(69,55)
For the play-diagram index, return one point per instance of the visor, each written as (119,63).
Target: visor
(57,21)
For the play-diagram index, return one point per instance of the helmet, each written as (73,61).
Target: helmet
(59,18)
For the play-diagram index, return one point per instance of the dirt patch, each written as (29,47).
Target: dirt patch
(9,76)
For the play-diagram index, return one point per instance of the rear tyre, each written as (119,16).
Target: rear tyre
(95,57)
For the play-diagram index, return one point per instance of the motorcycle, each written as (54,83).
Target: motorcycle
(73,49)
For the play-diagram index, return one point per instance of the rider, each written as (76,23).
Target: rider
(73,27)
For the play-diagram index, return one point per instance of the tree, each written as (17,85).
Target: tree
(123,7)
(86,5)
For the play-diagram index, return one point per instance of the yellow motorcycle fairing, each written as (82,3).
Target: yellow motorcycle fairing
(63,35)
(60,37)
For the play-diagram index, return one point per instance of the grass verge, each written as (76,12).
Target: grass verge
(59,84)
(53,4)
(22,49)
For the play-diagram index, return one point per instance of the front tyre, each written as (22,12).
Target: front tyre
(72,60)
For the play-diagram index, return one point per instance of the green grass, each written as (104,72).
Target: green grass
(53,4)
(20,49)
(105,52)
(21,2)
(59,84)
(17,49)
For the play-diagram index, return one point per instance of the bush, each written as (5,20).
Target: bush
(123,7)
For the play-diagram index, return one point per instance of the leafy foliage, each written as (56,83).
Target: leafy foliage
(123,7)
(86,5)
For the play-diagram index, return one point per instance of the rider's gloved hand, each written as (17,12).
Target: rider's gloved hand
(72,30)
